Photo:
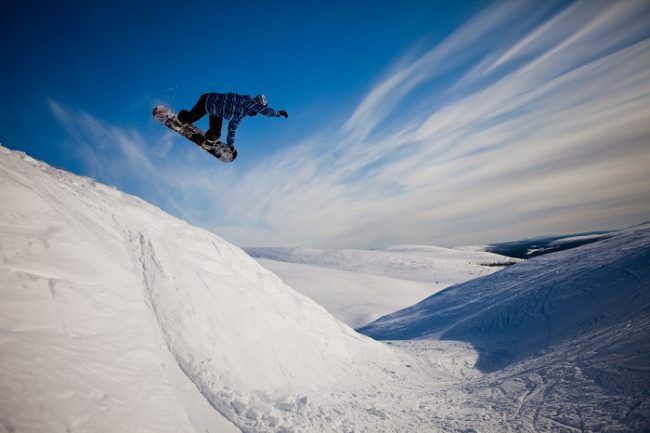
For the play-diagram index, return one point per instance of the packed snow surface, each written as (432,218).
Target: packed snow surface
(359,286)
(115,316)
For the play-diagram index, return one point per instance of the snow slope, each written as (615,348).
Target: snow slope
(359,286)
(102,294)
(538,303)
(562,341)
(80,349)
(571,328)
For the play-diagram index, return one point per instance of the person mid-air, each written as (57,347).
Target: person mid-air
(231,106)
(218,106)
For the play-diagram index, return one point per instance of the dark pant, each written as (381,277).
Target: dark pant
(199,111)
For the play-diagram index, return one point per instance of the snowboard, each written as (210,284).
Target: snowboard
(219,149)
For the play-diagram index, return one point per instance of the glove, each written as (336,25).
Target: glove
(283,114)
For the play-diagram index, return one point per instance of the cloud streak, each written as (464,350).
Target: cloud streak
(491,134)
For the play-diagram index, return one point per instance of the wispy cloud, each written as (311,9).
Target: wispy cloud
(527,120)
(151,166)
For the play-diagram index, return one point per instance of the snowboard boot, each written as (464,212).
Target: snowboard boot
(212,137)
(182,117)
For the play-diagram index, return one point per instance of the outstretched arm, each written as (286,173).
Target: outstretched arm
(255,107)
(269,112)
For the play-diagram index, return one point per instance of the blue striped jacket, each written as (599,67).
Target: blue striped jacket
(235,107)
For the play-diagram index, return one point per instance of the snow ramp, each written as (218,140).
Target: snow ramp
(103,295)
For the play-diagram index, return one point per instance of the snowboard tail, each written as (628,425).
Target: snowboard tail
(218,149)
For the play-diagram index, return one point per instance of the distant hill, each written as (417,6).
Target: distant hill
(528,248)
(359,286)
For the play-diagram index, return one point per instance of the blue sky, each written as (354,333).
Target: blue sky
(409,122)
(114,58)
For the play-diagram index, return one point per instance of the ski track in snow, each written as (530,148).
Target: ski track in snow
(115,316)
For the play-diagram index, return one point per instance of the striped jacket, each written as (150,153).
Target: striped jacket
(235,107)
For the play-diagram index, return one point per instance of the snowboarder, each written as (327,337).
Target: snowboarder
(231,106)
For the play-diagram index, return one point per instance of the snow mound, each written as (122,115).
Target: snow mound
(112,292)
(529,308)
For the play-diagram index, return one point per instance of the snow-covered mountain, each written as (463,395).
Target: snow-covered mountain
(359,286)
(533,247)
